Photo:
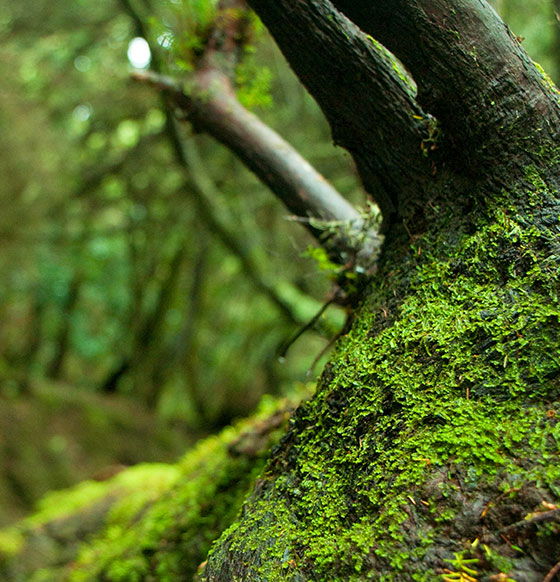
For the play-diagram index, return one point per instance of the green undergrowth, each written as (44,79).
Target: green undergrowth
(435,426)
(150,522)
(56,435)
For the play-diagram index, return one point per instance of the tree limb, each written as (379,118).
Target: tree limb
(467,65)
(199,187)
(367,99)
(212,107)
(210,104)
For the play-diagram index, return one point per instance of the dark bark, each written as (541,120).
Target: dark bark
(471,71)
(367,98)
(478,94)
(433,433)
(431,449)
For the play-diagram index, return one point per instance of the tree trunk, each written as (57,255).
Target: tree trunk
(556,41)
(432,444)
(62,339)
(430,450)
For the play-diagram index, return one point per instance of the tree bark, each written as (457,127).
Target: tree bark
(431,448)
(556,41)
(478,93)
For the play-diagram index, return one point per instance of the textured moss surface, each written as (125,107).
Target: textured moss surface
(429,452)
(432,446)
(150,522)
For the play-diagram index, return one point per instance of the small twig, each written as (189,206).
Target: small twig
(329,345)
(552,573)
(162,82)
(301,219)
(553,514)
(333,340)
(305,328)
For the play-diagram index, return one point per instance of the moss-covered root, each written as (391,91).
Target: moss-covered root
(150,522)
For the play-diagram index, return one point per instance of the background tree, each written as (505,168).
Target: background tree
(120,254)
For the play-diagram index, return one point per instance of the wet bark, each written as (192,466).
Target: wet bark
(478,92)
(433,435)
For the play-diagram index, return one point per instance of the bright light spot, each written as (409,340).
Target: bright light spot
(139,53)
(165,40)
(82,63)
(82,112)
(128,133)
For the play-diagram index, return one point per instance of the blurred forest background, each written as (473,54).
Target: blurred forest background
(148,280)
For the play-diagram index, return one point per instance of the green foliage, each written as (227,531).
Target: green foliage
(11,542)
(253,84)
(462,569)
(152,519)
(324,263)
(183,30)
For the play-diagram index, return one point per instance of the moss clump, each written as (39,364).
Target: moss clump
(546,80)
(151,522)
(82,434)
(436,424)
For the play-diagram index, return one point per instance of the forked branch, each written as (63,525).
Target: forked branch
(210,104)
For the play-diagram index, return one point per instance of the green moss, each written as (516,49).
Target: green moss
(11,542)
(81,433)
(436,423)
(136,485)
(396,65)
(150,521)
(441,402)
(253,84)
(546,80)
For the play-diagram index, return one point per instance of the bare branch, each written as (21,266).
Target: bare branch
(553,571)
(200,187)
(212,107)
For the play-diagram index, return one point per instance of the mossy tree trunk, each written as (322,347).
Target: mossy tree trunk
(431,449)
